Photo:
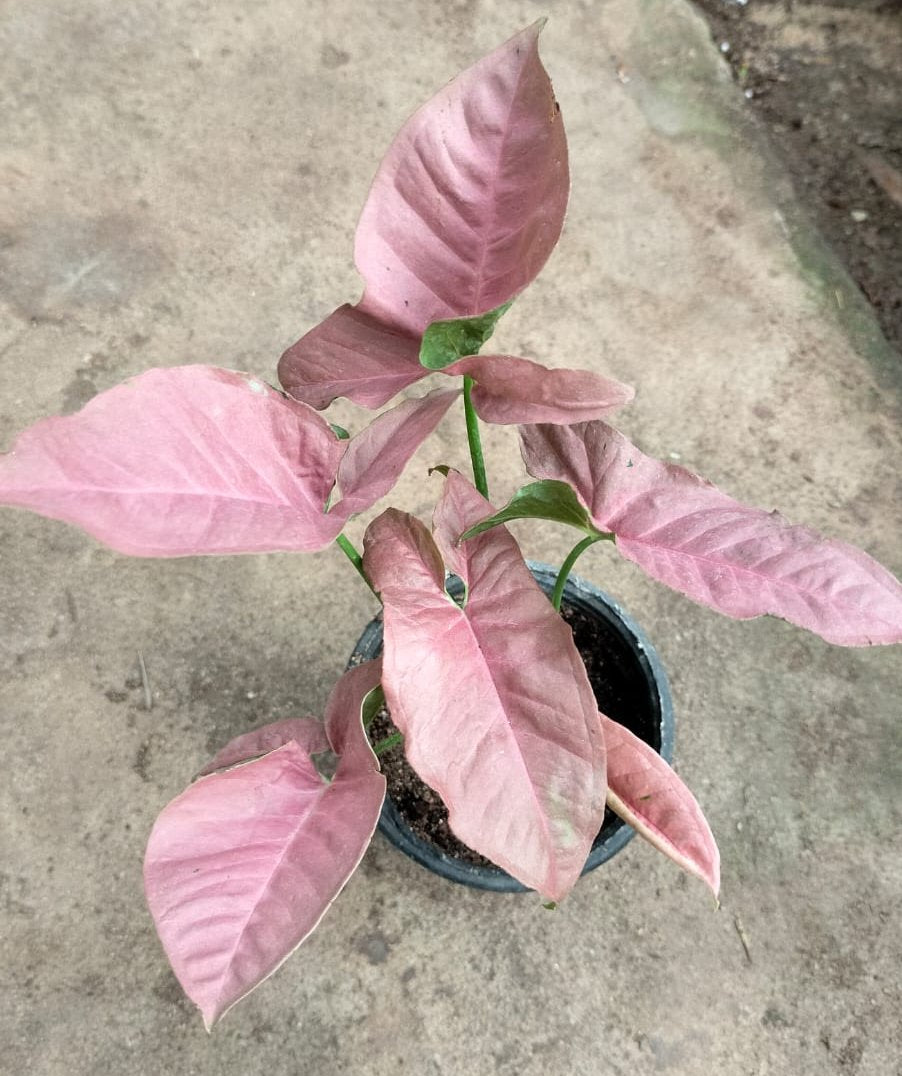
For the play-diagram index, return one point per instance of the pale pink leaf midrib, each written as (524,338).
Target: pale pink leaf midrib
(483,253)
(485,672)
(646,827)
(326,906)
(314,805)
(488,226)
(74,485)
(483,611)
(215,462)
(227,498)
(439,235)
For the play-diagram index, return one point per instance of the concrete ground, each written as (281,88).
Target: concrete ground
(180,182)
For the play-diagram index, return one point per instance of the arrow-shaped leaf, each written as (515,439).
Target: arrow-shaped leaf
(242,866)
(196,459)
(493,700)
(464,210)
(469,201)
(742,561)
(180,461)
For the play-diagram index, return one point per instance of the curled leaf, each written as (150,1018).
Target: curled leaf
(511,391)
(376,457)
(444,342)
(308,733)
(645,792)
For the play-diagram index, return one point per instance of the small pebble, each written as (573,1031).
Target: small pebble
(858,215)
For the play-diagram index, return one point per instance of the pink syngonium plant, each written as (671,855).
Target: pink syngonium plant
(491,695)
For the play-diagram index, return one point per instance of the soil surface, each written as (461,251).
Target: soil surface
(620,689)
(825,78)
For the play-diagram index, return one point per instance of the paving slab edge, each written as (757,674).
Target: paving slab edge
(837,294)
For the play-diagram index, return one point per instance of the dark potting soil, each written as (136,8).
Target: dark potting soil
(622,693)
(824,77)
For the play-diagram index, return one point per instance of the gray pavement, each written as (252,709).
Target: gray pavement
(179,182)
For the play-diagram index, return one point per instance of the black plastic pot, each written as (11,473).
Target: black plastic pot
(638,697)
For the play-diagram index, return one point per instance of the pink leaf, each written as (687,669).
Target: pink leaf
(308,733)
(645,792)
(741,561)
(242,866)
(470,198)
(351,354)
(463,213)
(493,700)
(510,391)
(343,712)
(181,461)
(377,455)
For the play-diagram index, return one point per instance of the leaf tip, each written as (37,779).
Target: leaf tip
(715,882)
(211,1014)
(709,873)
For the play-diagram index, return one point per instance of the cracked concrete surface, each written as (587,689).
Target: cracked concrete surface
(179,182)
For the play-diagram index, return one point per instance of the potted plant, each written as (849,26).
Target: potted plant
(489,693)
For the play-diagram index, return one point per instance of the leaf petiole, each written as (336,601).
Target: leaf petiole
(567,567)
(474,439)
(347,547)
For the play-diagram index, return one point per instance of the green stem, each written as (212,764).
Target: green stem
(387,744)
(474,440)
(347,547)
(567,567)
